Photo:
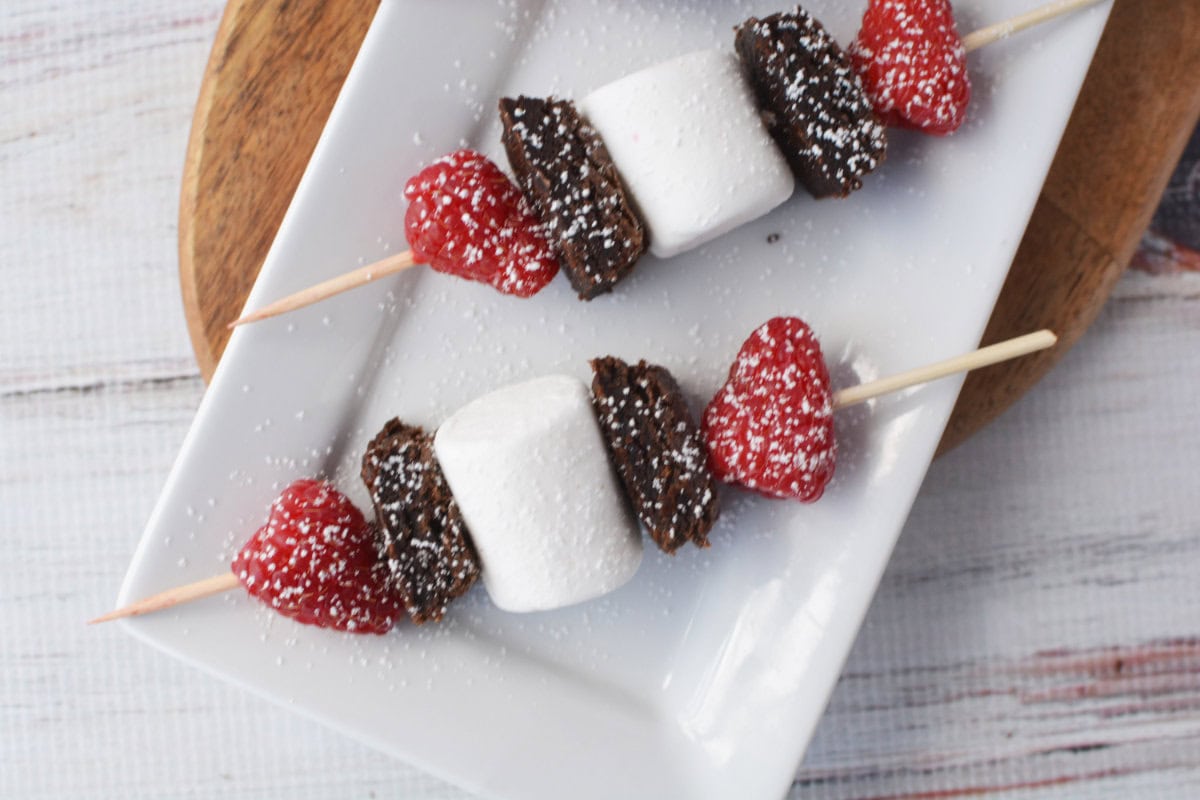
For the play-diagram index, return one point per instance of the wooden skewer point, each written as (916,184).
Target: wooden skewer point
(173,597)
(1005,28)
(985,356)
(349,280)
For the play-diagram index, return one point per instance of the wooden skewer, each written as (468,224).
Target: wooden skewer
(401,261)
(1000,30)
(993,354)
(985,356)
(173,597)
(349,280)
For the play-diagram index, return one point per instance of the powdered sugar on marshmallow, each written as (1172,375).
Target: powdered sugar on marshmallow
(688,142)
(528,467)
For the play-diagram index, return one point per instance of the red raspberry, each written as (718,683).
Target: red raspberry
(315,561)
(770,427)
(913,65)
(466,218)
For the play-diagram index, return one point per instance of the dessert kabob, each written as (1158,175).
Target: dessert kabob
(676,155)
(530,487)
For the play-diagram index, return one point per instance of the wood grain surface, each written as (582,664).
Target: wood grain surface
(277,65)
(1138,105)
(273,76)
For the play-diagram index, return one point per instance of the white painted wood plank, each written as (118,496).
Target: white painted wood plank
(89,186)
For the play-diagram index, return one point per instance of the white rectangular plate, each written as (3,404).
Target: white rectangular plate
(705,676)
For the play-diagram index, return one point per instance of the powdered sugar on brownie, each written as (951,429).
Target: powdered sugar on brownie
(658,450)
(421,533)
(812,101)
(569,178)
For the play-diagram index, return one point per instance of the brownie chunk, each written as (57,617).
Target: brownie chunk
(568,177)
(658,450)
(420,533)
(812,101)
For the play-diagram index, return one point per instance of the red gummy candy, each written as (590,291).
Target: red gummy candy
(315,561)
(913,64)
(466,218)
(770,427)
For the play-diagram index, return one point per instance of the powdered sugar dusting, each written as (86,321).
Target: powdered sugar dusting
(913,64)
(770,427)
(658,450)
(813,101)
(466,218)
(529,470)
(314,561)
(421,534)
(568,176)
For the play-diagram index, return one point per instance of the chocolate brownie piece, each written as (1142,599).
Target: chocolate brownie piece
(419,530)
(568,177)
(812,101)
(658,450)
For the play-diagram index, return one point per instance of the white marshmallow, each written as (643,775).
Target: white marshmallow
(530,471)
(687,139)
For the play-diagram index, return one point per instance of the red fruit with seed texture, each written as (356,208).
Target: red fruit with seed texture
(913,64)
(466,218)
(770,427)
(315,561)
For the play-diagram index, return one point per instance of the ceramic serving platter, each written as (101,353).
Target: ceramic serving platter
(705,676)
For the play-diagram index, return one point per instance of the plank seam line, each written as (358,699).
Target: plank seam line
(97,386)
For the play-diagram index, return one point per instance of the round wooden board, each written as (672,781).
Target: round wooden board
(277,66)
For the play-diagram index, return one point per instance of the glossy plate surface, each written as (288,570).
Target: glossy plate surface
(704,676)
